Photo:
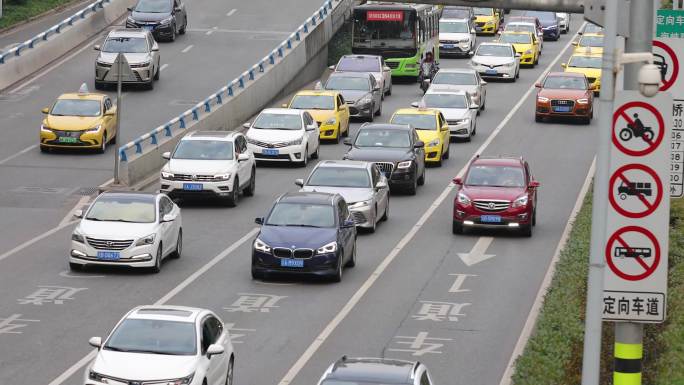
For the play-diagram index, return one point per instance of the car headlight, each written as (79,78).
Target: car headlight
(168,20)
(463,199)
(358,204)
(464,41)
(542,99)
(77,237)
(130,19)
(404,164)
(521,202)
(260,245)
(365,100)
(331,121)
(95,376)
(433,143)
(146,240)
(583,101)
(167,175)
(461,121)
(295,142)
(179,381)
(45,128)
(103,63)
(225,176)
(94,129)
(329,248)
(509,64)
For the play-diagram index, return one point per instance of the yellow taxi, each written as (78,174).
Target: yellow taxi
(79,120)
(588,64)
(589,43)
(328,108)
(432,129)
(486,20)
(524,43)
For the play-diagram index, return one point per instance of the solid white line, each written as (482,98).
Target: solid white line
(35,239)
(209,32)
(70,215)
(193,277)
(354,300)
(27,149)
(231,13)
(188,48)
(163,67)
(526,332)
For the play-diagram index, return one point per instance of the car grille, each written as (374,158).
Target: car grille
(449,41)
(109,244)
(385,167)
(267,157)
(358,217)
(281,252)
(193,178)
(491,205)
(392,64)
(268,145)
(68,134)
(480,23)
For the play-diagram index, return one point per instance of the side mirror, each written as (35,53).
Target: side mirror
(111,112)
(419,144)
(484,83)
(517,54)
(310,128)
(564,65)
(259,220)
(380,185)
(347,141)
(348,223)
(575,43)
(45,110)
(247,125)
(472,30)
(457,181)
(155,48)
(177,9)
(299,182)
(427,81)
(97,47)
(386,68)
(376,88)
(214,349)
(471,53)
(95,342)
(166,155)
(284,105)
(318,86)
(168,218)
(78,213)
(332,68)
(534,184)
(474,106)
(537,85)
(242,157)
(445,127)
(414,104)
(130,9)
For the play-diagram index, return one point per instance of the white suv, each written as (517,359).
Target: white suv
(210,163)
(284,135)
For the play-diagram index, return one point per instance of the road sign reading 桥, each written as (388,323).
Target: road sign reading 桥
(636,248)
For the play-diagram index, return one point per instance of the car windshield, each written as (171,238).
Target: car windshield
(118,208)
(313,102)
(546,16)
(520,28)
(339,177)
(76,107)
(478,11)
(455,78)
(516,38)
(153,6)
(592,28)
(418,121)
(453,27)
(444,101)
(302,214)
(358,64)
(591,41)
(585,62)
(495,176)
(125,45)
(565,82)
(455,13)
(494,50)
(347,83)
(153,336)
(354,382)
(273,121)
(376,137)
(204,150)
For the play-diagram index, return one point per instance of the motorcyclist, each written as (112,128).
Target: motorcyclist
(637,126)
(428,69)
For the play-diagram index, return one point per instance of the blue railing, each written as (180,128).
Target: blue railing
(55,29)
(219,97)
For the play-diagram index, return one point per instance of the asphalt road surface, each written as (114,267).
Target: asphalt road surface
(294,329)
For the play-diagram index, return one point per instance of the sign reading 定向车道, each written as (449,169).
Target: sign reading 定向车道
(670,23)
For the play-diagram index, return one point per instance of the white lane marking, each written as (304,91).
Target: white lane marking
(35,239)
(68,217)
(526,332)
(67,274)
(193,277)
(477,254)
(186,49)
(27,149)
(231,13)
(163,67)
(216,29)
(209,32)
(354,300)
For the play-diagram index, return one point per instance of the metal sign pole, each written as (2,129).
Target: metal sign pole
(118,114)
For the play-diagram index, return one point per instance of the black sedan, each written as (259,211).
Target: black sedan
(164,18)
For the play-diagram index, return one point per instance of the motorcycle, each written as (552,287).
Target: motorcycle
(632,130)
(427,72)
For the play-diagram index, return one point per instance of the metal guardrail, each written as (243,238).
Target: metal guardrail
(55,29)
(180,122)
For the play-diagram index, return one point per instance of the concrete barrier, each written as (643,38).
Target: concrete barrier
(296,61)
(46,47)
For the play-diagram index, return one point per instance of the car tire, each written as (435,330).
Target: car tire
(317,152)
(173,33)
(411,190)
(234,197)
(249,190)
(389,91)
(346,132)
(534,218)
(352,261)
(76,266)
(371,115)
(448,150)
(385,215)
(157,260)
(113,139)
(537,118)
(421,180)
(526,231)
(375,221)
(484,102)
(305,159)
(103,145)
(44,148)
(179,246)
(586,120)
(474,131)
(379,111)
(156,74)
(456,227)
(257,274)
(439,162)
(337,275)
(181,31)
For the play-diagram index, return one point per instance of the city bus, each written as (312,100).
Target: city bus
(401,33)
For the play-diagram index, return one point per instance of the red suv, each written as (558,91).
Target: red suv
(496,192)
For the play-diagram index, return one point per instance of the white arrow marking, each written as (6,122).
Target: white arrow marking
(477,254)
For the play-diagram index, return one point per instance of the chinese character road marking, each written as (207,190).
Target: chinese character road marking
(249,303)
(235,336)
(51,294)
(419,344)
(439,311)
(8,325)
(460,279)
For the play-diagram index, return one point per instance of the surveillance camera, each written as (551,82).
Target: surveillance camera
(649,80)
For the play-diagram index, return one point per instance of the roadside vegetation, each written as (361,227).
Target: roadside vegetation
(17,11)
(553,354)
(340,44)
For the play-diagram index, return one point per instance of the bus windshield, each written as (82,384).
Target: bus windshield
(387,29)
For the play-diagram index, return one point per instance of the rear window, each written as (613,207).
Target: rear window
(455,78)
(358,64)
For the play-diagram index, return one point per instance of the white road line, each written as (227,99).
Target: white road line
(27,149)
(164,66)
(193,277)
(477,254)
(539,300)
(354,300)
(188,48)
(70,215)
(209,32)
(35,239)
(231,13)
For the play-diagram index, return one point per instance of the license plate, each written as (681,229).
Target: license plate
(562,109)
(291,263)
(108,255)
(269,151)
(490,72)
(66,139)
(449,46)
(490,218)
(193,186)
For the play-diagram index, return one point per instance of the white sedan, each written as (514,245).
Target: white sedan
(164,345)
(284,135)
(459,110)
(497,61)
(132,229)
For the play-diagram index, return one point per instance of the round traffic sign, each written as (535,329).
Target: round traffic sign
(627,259)
(635,190)
(638,128)
(668,64)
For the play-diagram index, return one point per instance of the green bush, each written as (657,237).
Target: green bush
(16,11)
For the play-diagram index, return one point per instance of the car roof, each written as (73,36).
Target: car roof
(133,194)
(364,75)
(566,74)
(282,111)
(513,23)
(166,313)
(85,96)
(514,32)
(360,56)
(227,136)
(317,93)
(495,43)
(387,126)
(417,111)
(344,163)
(451,89)
(128,32)
(587,54)
(379,370)
(500,160)
(319,198)
(454,19)
(457,70)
